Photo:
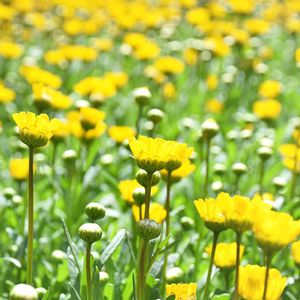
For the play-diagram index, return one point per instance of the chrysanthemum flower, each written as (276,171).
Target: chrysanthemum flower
(121,134)
(19,168)
(182,291)
(157,212)
(35,130)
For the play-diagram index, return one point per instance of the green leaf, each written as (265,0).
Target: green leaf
(112,246)
(109,291)
(221,297)
(71,244)
(74,294)
(151,280)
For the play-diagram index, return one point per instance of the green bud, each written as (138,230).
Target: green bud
(265,152)
(209,128)
(172,165)
(219,169)
(58,256)
(41,292)
(246,134)
(187,223)
(8,193)
(149,126)
(142,178)
(90,232)
(148,229)
(155,115)
(103,277)
(142,95)
(217,186)
(69,156)
(232,135)
(155,178)
(95,211)
(139,196)
(279,182)
(174,275)
(23,292)
(239,168)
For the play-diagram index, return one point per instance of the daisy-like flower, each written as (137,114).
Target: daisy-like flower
(35,130)
(182,291)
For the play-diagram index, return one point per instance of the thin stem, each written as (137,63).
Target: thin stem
(205,189)
(237,184)
(88,271)
(138,120)
(29,278)
(208,277)
(261,176)
(237,265)
(167,207)
(147,195)
(268,264)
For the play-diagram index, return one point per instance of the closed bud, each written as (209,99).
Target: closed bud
(142,95)
(219,169)
(265,152)
(142,178)
(103,277)
(239,168)
(217,186)
(139,196)
(246,134)
(155,115)
(69,156)
(187,223)
(149,126)
(173,164)
(232,135)
(9,193)
(58,256)
(41,292)
(209,128)
(23,292)
(95,211)
(279,182)
(148,229)
(155,178)
(174,275)
(90,232)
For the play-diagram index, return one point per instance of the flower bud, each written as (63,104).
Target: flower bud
(155,115)
(217,186)
(58,256)
(41,292)
(148,229)
(239,168)
(23,292)
(174,275)
(219,169)
(209,128)
(265,152)
(246,134)
(9,193)
(139,196)
(279,182)
(103,277)
(69,156)
(90,232)
(187,223)
(142,95)
(95,211)
(107,159)
(142,178)
(232,135)
(149,126)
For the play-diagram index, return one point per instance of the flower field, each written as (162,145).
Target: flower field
(150,149)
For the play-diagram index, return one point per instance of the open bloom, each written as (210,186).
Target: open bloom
(251,284)
(275,230)
(157,212)
(121,134)
(182,291)
(211,214)
(19,168)
(296,252)
(150,154)
(267,109)
(35,130)
(225,256)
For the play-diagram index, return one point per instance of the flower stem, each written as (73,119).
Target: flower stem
(237,265)
(138,120)
(29,278)
(261,177)
(167,207)
(147,195)
(88,271)
(205,189)
(208,277)
(268,264)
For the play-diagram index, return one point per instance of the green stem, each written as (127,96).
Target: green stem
(294,177)
(237,265)
(29,278)
(268,264)
(88,271)
(208,277)
(147,195)
(167,207)
(138,120)
(205,189)
(261,176)
(237,184)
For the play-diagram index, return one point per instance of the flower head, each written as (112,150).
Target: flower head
(156,213)
(182,291)
(251,284)
(35,130)
(121,134)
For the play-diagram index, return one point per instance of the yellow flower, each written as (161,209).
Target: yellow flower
(127,187)
(212,82)
(270,89)
(34,74)
(169,65)
(274,230)
(190,56)
(184,170)
(10,50)
(147,50)
(19,168)
(169,91)
(182,291)
(251,283)
(6,95)
(257,26)
(296,252)
(214,106)
(211,213)
(150,154)
(157,212)
(297,56)
(225,256)
(290,152)
(242,7)
(267,109)
(121,133)
(35,130)
(103,44)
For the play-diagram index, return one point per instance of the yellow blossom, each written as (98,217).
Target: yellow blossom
(267,109)
(296,252)
(270,89)
(10,50)
(169,65)
(182,291)
(121,133)
(212,82)
(19,168)
(6,95)
(214,106)
(157,212)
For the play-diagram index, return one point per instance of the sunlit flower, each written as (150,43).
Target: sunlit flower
(182,291)
(225,256)
(270,89)
(157,212)
(212,82)
(214,106)
(251,283)
(35,130)
(169,65)
(19,168)
(10,50)
(121,133)
(6,95)
(267,109)
(296,252)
